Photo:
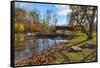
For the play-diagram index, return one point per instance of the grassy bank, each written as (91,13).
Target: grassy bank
(79,40)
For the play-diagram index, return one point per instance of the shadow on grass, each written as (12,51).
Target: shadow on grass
(79,43)
(90,57)
(66,58)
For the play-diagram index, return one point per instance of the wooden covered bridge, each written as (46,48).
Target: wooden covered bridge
(69,28)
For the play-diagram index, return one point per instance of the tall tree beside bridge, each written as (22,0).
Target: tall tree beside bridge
(84,14)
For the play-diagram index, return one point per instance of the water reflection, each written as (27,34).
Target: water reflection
(33,46)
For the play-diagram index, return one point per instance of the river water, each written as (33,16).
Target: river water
(27,47)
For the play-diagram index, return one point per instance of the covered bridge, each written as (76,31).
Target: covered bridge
(70,28)
(66,29)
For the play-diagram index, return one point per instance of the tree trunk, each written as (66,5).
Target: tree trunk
(82,27)
(90,36)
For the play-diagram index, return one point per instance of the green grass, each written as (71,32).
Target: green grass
(76,57)
(59,58)
(79,38)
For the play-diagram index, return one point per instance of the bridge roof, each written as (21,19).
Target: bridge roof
(64,28)
(67,27)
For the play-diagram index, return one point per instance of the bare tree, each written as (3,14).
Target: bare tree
(84,14)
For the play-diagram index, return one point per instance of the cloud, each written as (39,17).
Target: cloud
(19,4)
(63,9)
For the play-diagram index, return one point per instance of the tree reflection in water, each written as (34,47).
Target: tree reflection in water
(35,45)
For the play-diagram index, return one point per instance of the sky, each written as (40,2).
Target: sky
(62,11)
